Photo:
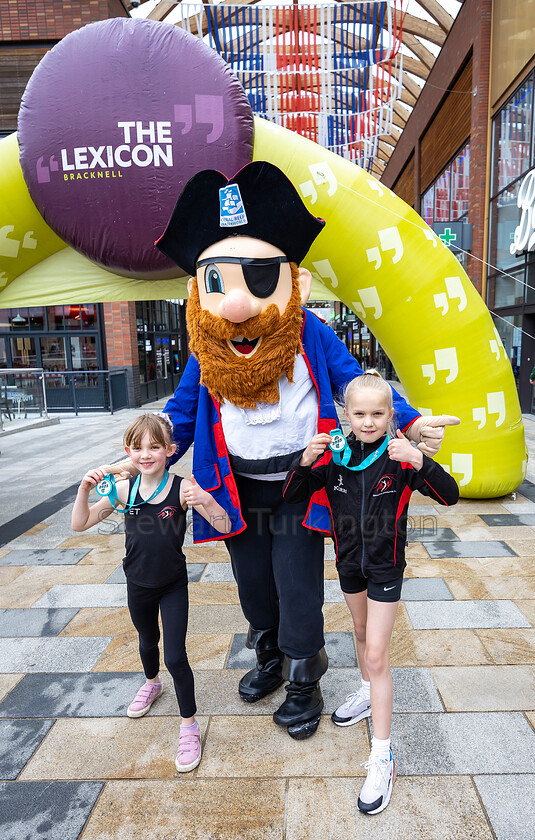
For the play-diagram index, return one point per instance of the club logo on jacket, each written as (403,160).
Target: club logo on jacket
(167,512)
(340,486)
(386,484)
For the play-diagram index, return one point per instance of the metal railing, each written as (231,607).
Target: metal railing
(38,391)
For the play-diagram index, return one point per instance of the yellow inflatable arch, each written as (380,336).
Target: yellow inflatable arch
(375,254)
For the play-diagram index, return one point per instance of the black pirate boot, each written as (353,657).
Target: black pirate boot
(267,676)
(301,711)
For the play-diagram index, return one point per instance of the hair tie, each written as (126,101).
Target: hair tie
(165,417)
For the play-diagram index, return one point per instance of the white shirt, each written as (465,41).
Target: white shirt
(274,428)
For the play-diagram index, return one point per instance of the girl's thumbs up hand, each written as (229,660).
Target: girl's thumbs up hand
(193,492)
(400,449)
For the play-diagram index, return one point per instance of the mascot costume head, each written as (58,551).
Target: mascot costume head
(242,240)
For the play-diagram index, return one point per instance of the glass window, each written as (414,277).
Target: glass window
(505,290)
(510,332)
(23,352)
(37,317)
(442,197)
(460,184)
(5,323)
(427,209)
(53,354)
(55,317)
(512,137)
(88,316)
(504,217)
(3,353)
(84,352)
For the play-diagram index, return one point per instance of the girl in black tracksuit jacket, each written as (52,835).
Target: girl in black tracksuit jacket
(368,488)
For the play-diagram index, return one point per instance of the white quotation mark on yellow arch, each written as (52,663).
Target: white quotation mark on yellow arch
(454,290)
(10,247)
(445,359)
(321,174)
(325,271)
(390,241)
(370,299)
(496,345)
(461,464)
(495,405)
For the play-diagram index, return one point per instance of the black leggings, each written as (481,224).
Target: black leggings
(278,566)
(172,602)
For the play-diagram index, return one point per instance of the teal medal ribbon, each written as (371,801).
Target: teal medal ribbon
(107,487)
(342,452)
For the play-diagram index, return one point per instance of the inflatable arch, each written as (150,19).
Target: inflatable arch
(375,253)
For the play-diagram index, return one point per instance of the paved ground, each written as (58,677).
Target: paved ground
(73,765)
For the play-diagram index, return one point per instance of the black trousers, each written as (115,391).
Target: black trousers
(278,566)
(172,602)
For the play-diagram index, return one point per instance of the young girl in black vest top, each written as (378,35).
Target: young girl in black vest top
(155,506)
(369,479)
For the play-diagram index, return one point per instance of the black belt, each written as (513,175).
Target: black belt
(264,466)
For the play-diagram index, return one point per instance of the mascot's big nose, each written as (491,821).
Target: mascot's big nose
(238,306)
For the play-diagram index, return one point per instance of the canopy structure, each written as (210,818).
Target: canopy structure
(346,75)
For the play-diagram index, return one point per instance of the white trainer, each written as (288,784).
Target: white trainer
(356,707)
(377,789)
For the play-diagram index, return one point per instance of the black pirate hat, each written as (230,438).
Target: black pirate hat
(259,202)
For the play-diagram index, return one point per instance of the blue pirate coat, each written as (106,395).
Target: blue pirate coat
(196,419)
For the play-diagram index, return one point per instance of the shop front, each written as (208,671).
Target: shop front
(511,258)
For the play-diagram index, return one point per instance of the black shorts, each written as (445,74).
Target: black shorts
(387,591)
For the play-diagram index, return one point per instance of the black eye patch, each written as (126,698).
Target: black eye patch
(261,275)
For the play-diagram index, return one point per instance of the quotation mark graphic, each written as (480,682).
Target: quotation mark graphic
(10,247)
(43,170)
(454,290)
(321,174)
(326,272)
(445,359)
(496,345)
(370,298)
(208,110)
(461,464)
(390,241)
(495,405)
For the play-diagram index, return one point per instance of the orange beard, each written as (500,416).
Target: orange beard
(244,382)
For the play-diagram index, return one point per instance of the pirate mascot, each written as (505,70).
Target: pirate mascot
(257,387)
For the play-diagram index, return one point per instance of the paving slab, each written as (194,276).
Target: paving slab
(420,809)
(108,748)
(243,747)
(509,804)
(182,809)
(29,622)
(433,534)
(520,507)
(43,557)
(486,688)
(57,654)
(18,741)
(340,648)
(414,689)
(425,589)
(430,615)
(469,548)
(332,592)
(46,810)
(84,595)
(509,647)
(508,520)
(218,573)
(463,743)
(45,695)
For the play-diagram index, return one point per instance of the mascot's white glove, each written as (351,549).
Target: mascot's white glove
(428,432)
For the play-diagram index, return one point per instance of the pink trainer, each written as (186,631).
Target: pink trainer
(144,699)
(189,748)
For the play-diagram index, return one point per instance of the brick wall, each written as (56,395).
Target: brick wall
(121,344)
(26,20)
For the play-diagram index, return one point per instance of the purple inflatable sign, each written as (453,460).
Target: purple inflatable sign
(114,121)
